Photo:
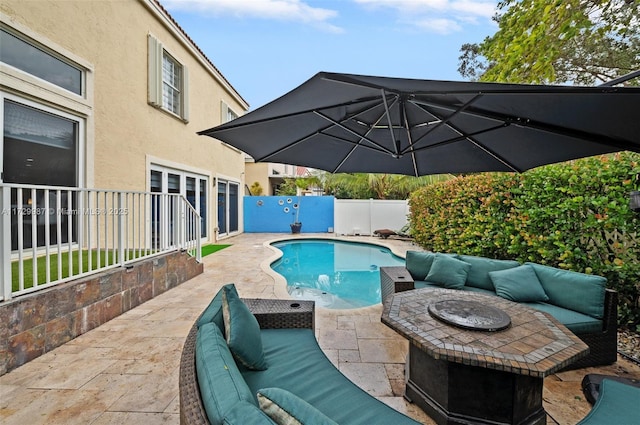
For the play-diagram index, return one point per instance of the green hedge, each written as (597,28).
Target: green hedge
(574,216)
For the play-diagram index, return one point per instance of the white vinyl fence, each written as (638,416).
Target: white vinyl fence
(363,217)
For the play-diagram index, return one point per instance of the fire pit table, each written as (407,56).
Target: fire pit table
(476,358)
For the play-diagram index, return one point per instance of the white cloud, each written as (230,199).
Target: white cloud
(440,16)
(439,26)
(282,10)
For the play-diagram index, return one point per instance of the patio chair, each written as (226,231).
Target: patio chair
(617,403)
(401,234)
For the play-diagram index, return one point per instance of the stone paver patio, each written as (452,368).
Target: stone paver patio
(126,371)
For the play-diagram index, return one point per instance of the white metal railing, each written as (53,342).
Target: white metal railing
(52,234)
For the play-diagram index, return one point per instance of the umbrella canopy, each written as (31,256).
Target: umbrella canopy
(355,123)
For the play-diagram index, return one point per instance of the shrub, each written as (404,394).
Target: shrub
(574,216)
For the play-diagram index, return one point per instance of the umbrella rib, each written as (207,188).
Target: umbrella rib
(403,107)
(470,138)
(525,122)
(444,121)
(333,122)
(231,126)
(386,111)
(355,133)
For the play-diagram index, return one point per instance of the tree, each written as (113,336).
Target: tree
(256,189)
(557,41)
(377,186)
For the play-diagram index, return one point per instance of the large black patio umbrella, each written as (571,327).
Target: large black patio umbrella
(355,123)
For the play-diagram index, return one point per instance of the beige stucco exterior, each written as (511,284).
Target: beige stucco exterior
(123,134)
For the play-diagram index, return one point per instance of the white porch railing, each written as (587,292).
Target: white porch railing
(52,234)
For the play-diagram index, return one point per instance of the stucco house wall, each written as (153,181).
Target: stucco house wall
(124,136)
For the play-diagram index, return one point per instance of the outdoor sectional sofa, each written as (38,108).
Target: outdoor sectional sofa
(238,349)
(579,301)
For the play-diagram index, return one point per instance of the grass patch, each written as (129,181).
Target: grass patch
(106,257)
(211,248)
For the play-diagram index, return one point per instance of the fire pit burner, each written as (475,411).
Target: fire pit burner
(470,315)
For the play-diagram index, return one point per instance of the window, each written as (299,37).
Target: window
(38,147)
(41,147)
(171,84)
(168,81)
(29,57)
(227,113)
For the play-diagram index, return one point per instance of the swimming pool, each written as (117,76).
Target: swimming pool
(335,274)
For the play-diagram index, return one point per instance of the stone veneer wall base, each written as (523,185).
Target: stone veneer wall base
(36,323)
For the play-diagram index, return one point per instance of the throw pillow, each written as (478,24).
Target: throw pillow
(244,413)
(449,271)
(419,263)
(519,284)
(286,408)
(242,331)
(213,312)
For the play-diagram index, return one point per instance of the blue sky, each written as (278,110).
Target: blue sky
(268,47)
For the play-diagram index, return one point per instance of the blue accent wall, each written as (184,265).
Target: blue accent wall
(274,214)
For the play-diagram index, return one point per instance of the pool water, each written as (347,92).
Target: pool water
(335,274)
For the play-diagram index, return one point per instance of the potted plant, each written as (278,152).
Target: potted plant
(296,226)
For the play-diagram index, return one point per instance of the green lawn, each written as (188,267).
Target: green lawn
(210,249)
(105,256)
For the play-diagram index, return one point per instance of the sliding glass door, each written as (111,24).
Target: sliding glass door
(228,207)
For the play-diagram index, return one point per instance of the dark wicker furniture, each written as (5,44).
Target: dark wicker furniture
(271,314)
(602,345)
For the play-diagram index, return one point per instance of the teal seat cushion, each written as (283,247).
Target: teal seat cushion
(519,284)
(213,312)
(243,413)
(580,292)
(298,365)
(423,284)
(221,384)
(478,275)
(449,271)
(242,331)
(285,408)
(418,263)
(578,323)
(478,290)
(616,404)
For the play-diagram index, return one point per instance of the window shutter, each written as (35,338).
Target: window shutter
(155,71)
(185,94)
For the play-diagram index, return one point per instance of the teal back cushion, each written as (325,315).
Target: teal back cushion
(448,271)
(576,291)
(478,275)
(221,384)
(213,312)
(242,331)
(519,284)
(419,263)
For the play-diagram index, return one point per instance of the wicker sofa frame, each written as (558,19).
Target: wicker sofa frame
(271,314)
(603,346)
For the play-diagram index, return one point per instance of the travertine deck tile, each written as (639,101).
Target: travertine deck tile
(125,371)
